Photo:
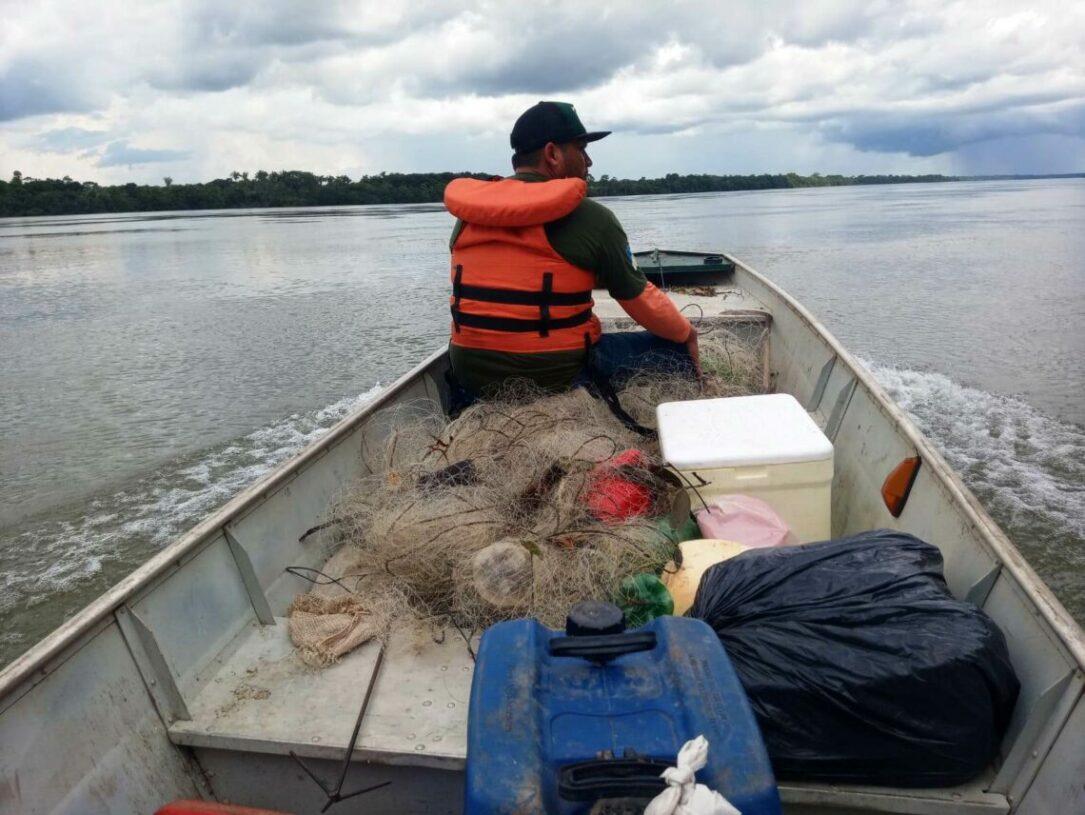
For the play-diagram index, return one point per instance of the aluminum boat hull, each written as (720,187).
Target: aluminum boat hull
(179,682)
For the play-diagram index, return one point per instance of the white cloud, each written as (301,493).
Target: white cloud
(688,86)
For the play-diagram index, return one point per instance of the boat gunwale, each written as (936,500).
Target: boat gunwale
(1069,633)
(33,663)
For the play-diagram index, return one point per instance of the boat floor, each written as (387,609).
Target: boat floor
(264,699)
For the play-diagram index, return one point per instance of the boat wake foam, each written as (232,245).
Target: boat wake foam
(1027,469)
(85,553)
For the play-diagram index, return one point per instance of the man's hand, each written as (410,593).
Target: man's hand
(694,352)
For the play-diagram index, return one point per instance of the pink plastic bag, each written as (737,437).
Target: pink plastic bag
(744,519)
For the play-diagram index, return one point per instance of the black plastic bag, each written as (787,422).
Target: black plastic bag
(860,665)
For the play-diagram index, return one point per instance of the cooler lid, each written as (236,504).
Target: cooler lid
(739,431)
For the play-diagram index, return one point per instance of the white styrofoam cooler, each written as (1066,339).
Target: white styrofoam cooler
(765,446)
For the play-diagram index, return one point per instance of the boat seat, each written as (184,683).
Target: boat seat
(727,307)
(263,699)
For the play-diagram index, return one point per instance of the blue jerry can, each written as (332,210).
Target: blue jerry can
(559,723)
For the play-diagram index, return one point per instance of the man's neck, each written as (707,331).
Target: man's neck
(542,171)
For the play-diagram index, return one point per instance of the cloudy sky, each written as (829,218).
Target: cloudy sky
(193,89)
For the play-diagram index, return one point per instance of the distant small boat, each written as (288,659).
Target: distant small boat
(181,681)
(670,268)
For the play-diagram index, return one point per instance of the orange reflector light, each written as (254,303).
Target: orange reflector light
(899,483)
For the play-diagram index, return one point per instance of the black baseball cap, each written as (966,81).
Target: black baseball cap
(549,122)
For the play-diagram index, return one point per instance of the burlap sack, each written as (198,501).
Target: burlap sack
(323,629)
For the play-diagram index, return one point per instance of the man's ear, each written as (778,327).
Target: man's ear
(552,155)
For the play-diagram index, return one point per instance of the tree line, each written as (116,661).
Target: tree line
(673,183)
(25,196)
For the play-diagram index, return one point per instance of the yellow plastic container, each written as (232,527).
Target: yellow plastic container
(697,557)
(764,446)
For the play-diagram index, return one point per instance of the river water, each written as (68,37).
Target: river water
(153,365)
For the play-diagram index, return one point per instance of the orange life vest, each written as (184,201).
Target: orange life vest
(510,290)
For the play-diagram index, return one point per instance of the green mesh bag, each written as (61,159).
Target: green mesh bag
(643,597)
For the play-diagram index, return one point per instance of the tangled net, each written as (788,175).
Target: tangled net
(504,512)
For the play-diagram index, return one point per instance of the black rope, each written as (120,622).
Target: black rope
(314,529)
(335,794)
(466,638)
(328,579)
(697,306)
(690,484)
(602,388)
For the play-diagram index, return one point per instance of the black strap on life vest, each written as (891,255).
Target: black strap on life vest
(543,299)
(510,324)
(521,298)
(544,306)
(457,293)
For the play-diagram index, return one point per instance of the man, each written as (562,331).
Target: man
(526,253)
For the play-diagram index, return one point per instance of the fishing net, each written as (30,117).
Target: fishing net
(732,363)
(524,505)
